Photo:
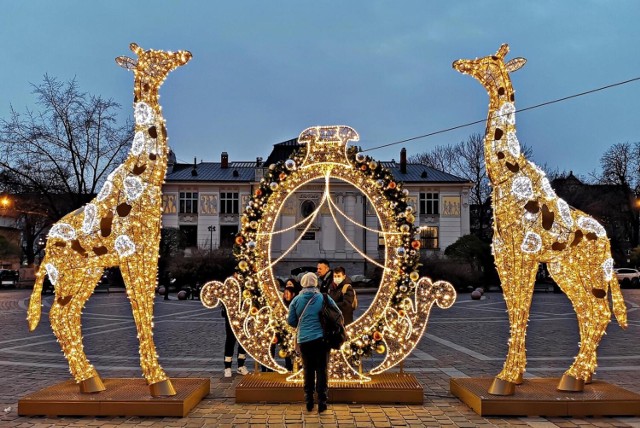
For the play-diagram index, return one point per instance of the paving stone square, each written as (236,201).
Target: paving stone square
(467,340)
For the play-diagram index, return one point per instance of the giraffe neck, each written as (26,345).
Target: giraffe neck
(501,147)
(149,151)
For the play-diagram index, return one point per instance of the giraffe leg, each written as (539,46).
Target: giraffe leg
(73,289)
(517,276)
(140,279)
(593,315)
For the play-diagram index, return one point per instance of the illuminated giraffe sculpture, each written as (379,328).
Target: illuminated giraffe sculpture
(119,227)
(531,224)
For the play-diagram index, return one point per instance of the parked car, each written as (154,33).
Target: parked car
(9,278)
(628,277)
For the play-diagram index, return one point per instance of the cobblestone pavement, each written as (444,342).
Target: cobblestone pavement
(467,340)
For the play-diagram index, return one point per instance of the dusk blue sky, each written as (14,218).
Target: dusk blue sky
(262,71)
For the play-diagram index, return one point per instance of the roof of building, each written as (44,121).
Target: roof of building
(417,173)
(282,151)
(213,171)
(244,171)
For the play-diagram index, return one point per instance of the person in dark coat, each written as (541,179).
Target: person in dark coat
(341,291)
(291,289)
(325,275)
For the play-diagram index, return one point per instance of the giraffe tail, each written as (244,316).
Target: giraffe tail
(619,308)
(35,303)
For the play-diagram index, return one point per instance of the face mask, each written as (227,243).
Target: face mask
(337,280)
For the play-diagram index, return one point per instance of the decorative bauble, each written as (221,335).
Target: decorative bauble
(360,157)
(258,192)
(403,288)
(392,185)
(415,244)
(363,168)
(377,336)
(251,245)
(410,218)
(290,164)
(275,340)
(282,353)
(273,185)
(243,265)
(405,192)
(373,165)
(402,313)
(254,311)
(365,338)
(405,228)
(414,276)
(400,251)
(409,209)
(246,294)
(272,166)
(380,183)
(380,349)
(282,176)
(253,224)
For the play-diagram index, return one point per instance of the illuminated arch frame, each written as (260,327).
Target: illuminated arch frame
(397,317)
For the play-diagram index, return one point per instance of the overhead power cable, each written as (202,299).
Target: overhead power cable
(464,125)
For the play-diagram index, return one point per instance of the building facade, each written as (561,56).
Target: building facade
(205,201)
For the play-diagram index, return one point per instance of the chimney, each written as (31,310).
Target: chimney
(224,160)
(194,171)
(171,161)
(403,161)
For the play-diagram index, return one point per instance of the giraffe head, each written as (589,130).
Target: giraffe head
(152,67)
(492,71)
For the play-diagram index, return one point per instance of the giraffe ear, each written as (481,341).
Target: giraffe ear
(515,64)
(126,62)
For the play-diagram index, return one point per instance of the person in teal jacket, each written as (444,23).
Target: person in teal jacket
(304,313)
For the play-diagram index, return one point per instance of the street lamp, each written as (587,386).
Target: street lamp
(211,230)
(5,202)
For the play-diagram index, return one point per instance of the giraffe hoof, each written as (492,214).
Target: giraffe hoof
(570,384)
(163,388)
(92,385)
(502,387)
(519,380)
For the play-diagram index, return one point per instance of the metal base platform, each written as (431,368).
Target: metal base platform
(539,397)
(123,397)
(400,388)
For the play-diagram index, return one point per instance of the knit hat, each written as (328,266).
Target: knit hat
(309,280)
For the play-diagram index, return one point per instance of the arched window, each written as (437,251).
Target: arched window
(307,208)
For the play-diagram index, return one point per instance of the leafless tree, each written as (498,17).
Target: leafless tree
(621,165)
(59,155)
(66,149)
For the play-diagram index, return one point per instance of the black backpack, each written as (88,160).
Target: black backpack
(332,324)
